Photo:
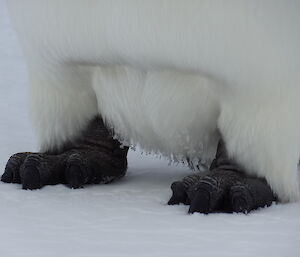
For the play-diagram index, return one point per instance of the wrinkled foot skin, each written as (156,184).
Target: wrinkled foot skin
(224,188)
(92,159)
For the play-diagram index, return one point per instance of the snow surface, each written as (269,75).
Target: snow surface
(127,218)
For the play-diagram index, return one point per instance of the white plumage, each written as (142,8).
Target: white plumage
(171,75)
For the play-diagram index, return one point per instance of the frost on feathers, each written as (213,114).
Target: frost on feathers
(170,76)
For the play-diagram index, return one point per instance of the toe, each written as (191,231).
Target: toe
(205,196)
(75,177)
(179,194)
(201,202)
(7,176)
(30,172)
(31,178)
(12,169)
(76,172)
(241,199)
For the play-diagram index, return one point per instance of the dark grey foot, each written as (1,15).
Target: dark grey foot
(225,188)
(94,158)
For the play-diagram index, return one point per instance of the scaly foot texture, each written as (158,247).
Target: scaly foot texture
(93,158)
(224,188)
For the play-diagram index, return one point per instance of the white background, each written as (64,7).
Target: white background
(127,218)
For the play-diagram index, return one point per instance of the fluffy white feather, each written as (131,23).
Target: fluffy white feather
(169,74)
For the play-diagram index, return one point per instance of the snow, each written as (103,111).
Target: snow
(127,218)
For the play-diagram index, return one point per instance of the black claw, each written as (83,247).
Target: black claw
(30,172)
(7,177)
(239,205)
(241,199)
(11,173)
(201,202)
(179,194)
(76,172)
(31,178)
(205,195)
(75,177)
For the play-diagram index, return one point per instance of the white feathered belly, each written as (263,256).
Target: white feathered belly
(167,112)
